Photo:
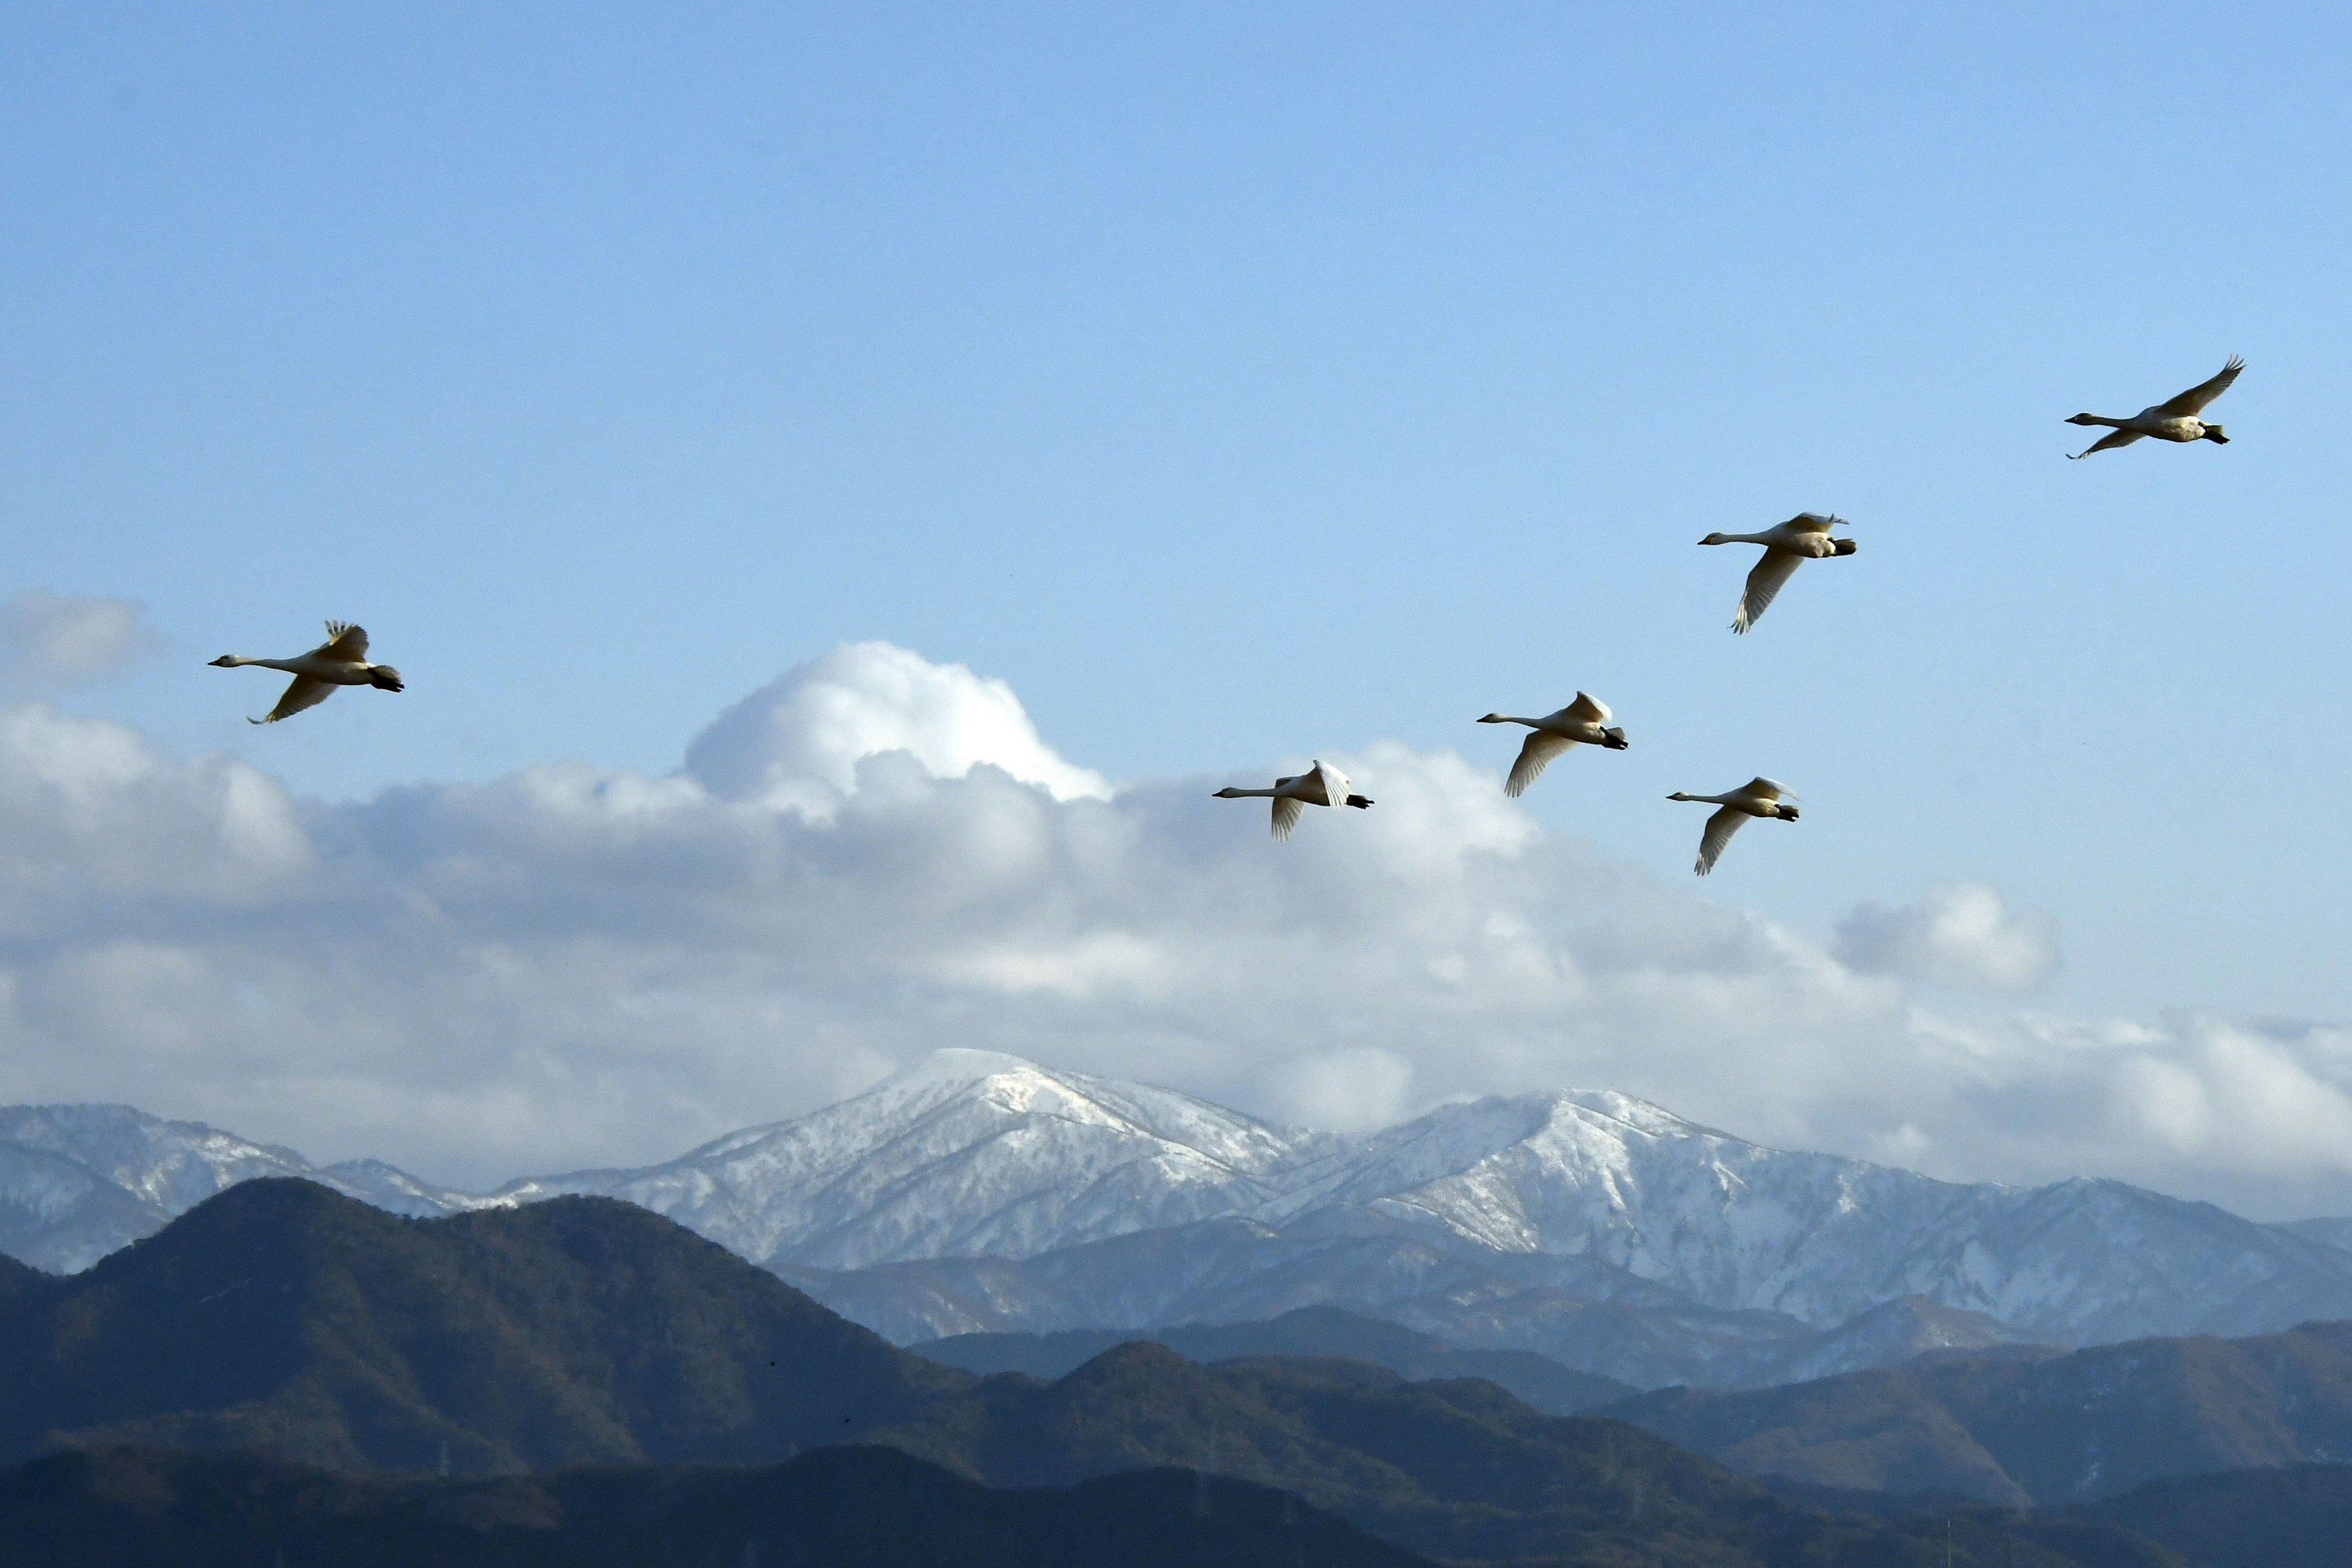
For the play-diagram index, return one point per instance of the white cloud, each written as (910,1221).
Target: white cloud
(875,856)
(796,742)
(49,642)
(1962,936)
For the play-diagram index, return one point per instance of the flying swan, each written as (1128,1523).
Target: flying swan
(1585,720)
(1760,796)
(1318,785)
(2172,420)
(1804,537)
(340,660)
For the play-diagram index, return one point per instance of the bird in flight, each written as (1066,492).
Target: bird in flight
(1322,785)
(1760,796)
(1585,720)
(1804,537)
(2172,420)
(340,660)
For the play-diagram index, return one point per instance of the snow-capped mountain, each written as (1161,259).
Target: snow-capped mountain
(77,1182)
(967,1154)
(1507,1221)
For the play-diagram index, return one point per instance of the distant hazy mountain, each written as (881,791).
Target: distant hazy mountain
(1539,1380)
(978,1193)
(78,1181)
(282,1315)
(967,1154)
(1580,1313)
(2041,1430)
(837,1508)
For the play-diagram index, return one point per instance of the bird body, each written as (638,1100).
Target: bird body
(1322,785)
(1584,721)
(1787,546)
(2175,419)
(1760,796)
(340,660)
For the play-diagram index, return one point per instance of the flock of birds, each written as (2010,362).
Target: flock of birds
(1805,537)
(342,660)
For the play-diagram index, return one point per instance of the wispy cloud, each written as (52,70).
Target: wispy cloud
(48,643)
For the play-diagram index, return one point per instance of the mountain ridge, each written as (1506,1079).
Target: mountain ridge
(1516,1222)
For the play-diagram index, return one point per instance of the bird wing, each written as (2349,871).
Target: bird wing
(1763,586)
(1719,829)
(344,642)
(2203,393)
(1335,783)
(1811,522)
(1588,708)
(1541,748)
(303,691)
(1767,789)
(2113,439)
(1286,814)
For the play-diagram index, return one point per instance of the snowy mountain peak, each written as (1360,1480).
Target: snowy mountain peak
(956,1065)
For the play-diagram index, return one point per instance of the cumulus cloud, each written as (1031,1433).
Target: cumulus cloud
(795,744)
(874,856)
(49,642)
(1962,936)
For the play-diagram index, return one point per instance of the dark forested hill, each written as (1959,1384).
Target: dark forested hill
(1456,1469)
(284,1317)
(2298,1517)
(1541,1382)
(2059,1430)
(837,1508)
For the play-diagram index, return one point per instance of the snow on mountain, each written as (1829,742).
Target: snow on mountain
(1734,1225)
(967,1152)
(1513,1218)
(77,1182)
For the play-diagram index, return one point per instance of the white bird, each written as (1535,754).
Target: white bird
(1760,796)
(1322,785)
(2173,420)
(340,660)
(1585,720)
(1804,537)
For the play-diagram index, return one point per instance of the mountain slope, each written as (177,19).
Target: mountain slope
(838,1508)
(1536,1222)
(78,1182)
(1457,1469)
(967,1153)
(2045,1431)
(2297,1516)
(282,1315)
(1543,1383)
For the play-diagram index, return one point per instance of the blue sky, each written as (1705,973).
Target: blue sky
(1242,382)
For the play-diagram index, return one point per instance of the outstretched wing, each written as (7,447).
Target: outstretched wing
(1588,708)
(2203,393)
(1812,522)
(2112,439)
(1719,829)
(344,642)
(1763,586)
(1767,789)
(1539,750)
(303,691)
(1286,814)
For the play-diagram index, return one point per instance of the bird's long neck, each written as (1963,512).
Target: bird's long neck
(238,660)
(1246,794)
(2097,420)
(1709,799)
(1746,539)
